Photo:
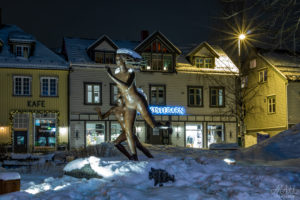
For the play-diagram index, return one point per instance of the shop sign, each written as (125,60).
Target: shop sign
(37,104)
(167,110)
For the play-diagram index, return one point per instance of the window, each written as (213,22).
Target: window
(22,51)
(263,76)
(114,91)
(45,130)
(195,96)
(244,81)
(157,94)
(271,104)
(215,134)
(194,135)
(105,57)
(217,97)
(95,133)
(252,64)
(22,85)
(92,93)
(115,130)
(49,86)
(204,62)
(21,120)
(157,57)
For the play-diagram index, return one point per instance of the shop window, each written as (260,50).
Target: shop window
(49,86)
(114,92)
(263,76)
(45,131)
(92,93)
(158,95)
(115,130)
(105,57)
(271,104)
(95,133)
(195,96)
(217,97)
(194,135)
(215,134)
(22,85)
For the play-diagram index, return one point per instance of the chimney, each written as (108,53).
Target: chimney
(144,34)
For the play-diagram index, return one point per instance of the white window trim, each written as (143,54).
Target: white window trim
(56,86)
(22,85)
(22,51)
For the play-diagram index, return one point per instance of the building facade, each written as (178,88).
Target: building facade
(190,90)
(273,88)
(34,94)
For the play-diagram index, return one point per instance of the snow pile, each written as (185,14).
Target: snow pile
(196,178)
(284,146)
(9,176)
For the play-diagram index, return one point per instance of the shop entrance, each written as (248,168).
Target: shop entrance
(20,141)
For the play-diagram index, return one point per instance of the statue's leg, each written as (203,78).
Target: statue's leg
(120,147)
(129,119)
(143,109)
(142,148)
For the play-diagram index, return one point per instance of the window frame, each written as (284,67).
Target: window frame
(204,63)
(150,94)
(188,96)
(264,75)
(210,97)
(49,86)
(104,56)
(22,51)
(85,93)
(111,86)
(273,104)
(22,85)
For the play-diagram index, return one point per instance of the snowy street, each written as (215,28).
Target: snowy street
(199,174)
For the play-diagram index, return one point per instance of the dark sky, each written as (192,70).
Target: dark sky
(183,22)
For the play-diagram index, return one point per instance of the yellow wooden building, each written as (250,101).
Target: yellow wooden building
(271,93)
(33,94)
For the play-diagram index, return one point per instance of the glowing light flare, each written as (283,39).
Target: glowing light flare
(242,36)
(63,130)
(229,161)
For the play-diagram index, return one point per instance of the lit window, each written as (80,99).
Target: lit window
(157,57)
(45,130)
(92,93)
(252,63)
(271,104)
(49,86)
(22,85)
(22,51)
(263,76)
(217,97)
(114,91)
(157,94)
(244,81)
(215,134)
(95,133)
(195,96)
(204,62)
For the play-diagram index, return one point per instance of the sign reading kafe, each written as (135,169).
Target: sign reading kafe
(167,110)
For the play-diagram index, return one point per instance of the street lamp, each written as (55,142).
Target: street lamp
(241,37)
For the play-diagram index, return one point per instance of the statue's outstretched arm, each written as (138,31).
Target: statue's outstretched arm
(106,115)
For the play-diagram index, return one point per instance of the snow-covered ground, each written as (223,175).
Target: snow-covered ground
(199,174)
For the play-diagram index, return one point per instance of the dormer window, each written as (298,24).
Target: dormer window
(157,57)
(22,51)
(105,57)
(204,62)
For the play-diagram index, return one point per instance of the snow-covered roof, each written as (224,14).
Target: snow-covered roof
(284,61)
(76,49)
(223,64)
(42,57)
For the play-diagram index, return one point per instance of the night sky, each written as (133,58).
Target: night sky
(183,22)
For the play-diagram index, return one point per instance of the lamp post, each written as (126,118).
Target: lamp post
(241,37)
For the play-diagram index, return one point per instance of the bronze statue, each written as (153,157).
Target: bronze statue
(119,112)
(133,100)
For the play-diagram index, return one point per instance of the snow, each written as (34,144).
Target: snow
(197,177)
(9,176)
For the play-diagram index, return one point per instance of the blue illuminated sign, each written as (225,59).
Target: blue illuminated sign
(167,110)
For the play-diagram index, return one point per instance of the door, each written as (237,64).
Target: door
(20,141)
